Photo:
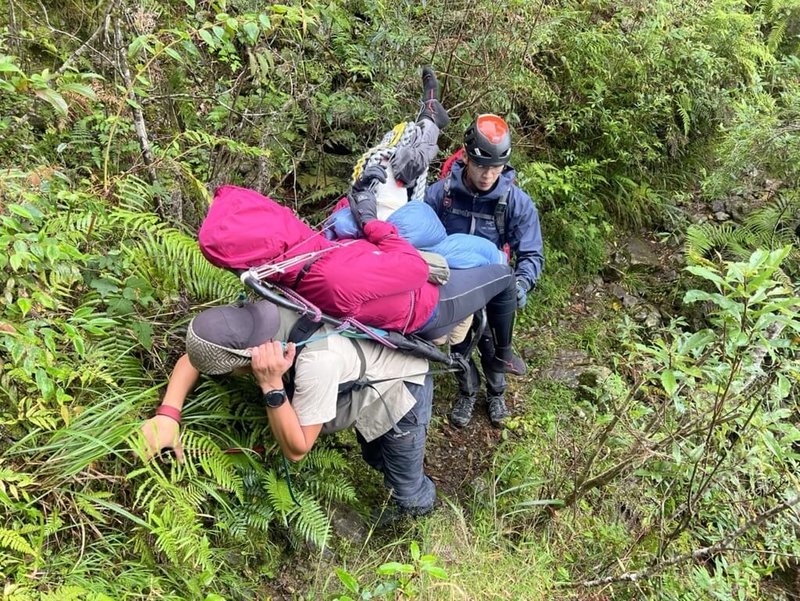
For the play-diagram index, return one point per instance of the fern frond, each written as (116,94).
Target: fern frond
(68,593)
(325,459)
(173,260)
(775,223)
(310,521)
(135,222)
(683,105)
(202,450)
(10,539)
(278,493)
(134,194)
(711,241)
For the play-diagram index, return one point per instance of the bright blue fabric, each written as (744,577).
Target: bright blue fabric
(342,225)
(418,223)
(463,251)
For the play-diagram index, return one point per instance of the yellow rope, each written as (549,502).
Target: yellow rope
(396,134)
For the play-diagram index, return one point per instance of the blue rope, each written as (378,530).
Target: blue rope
(345,333)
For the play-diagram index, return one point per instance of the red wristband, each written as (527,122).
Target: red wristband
(170,412)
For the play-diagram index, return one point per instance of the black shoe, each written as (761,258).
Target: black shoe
(462,411)
(507,362)
(498,412)
(430,85)
(431,107)
(386,516)
(394,515)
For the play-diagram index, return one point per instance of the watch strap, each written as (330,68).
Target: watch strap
(169,411)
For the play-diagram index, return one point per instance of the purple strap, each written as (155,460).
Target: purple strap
(360,327)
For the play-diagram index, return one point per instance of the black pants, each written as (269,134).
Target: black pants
(468,291)
(399,454)
(470,382)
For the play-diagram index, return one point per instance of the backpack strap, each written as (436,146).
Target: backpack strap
(447,201)
(358,384)
(500,215)
(303,329)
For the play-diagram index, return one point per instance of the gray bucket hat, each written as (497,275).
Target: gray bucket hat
(218,338)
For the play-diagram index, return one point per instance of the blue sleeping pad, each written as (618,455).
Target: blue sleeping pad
(418,223)
(463,251)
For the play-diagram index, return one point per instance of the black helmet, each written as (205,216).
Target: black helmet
(488,141)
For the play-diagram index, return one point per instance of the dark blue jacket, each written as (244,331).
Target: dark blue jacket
(522,231)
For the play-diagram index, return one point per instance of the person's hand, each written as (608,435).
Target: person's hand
(522,293)
(269,362)
(369,176)
(363,203)
(363,206)
(162,432)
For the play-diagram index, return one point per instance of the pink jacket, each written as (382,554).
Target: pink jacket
(381,281)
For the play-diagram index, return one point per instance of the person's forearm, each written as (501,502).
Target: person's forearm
(181,382)
(287,431)
(286,427)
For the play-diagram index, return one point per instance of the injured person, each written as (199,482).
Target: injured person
(378,279)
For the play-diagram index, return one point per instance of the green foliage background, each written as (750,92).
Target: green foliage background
(118,119)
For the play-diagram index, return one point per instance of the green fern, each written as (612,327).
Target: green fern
(711,241)
(278,493)
(310,521)
(173,261)
(201,451)
(773,225)
(15,541)
(134,195)
(776,222)
(683,106)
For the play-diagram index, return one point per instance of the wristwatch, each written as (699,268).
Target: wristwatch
(274,398)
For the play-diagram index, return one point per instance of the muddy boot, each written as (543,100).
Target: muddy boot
(507,362)
(462,411)
(498,412)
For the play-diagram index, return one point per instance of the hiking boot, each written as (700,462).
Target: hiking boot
(462,411)
(431,107)
(505,361)
(498,412)
(393,515)
(387,516)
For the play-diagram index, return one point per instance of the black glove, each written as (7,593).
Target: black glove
(363,205)
(368,177)
(522,293)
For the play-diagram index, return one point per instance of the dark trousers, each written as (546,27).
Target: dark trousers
(470,383)
(399,454)
(468,291)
